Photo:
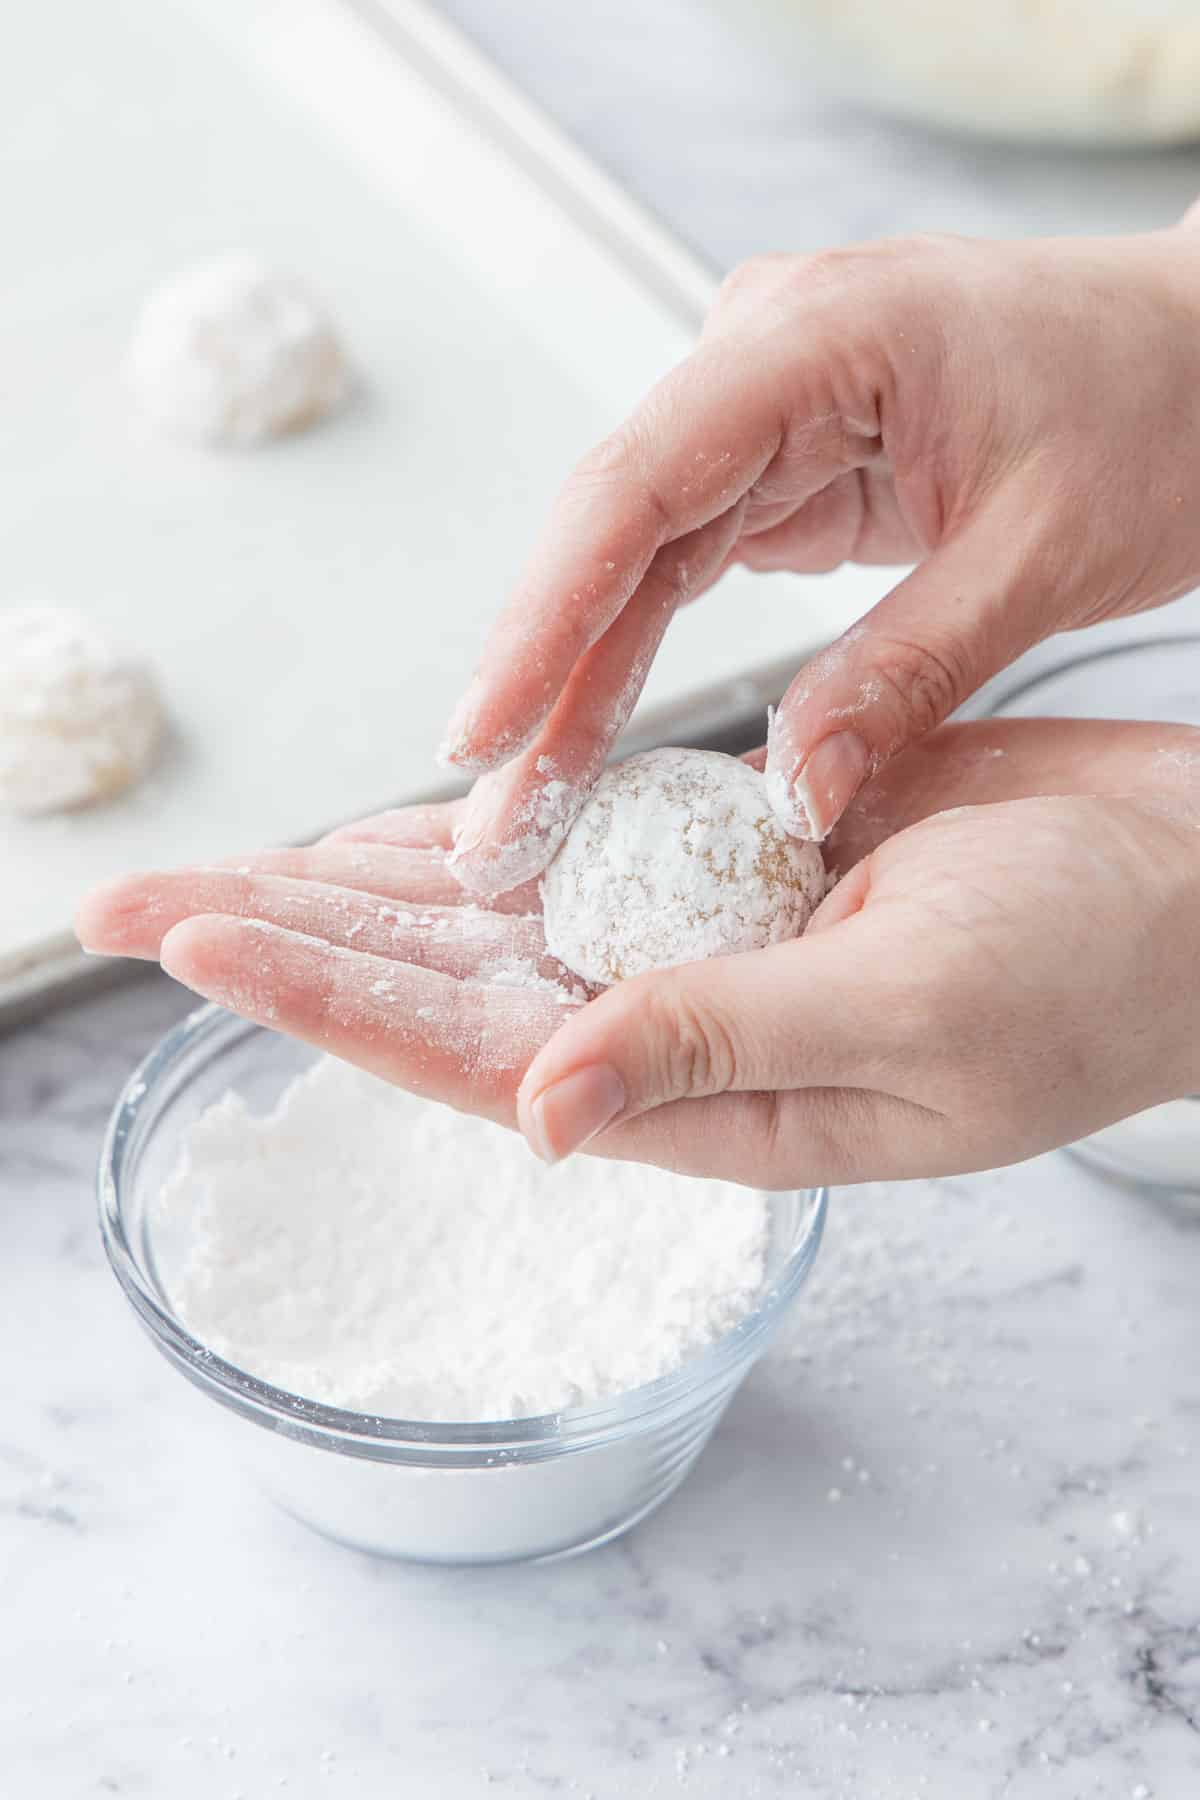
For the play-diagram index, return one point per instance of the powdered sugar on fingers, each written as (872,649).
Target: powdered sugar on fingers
(463,1042)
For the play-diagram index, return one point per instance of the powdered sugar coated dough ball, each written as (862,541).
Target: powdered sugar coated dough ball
(231,351)
(676,856)
(77,722)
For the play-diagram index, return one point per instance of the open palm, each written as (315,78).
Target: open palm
(982,983)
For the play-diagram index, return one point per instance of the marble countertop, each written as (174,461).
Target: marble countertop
(945,1544)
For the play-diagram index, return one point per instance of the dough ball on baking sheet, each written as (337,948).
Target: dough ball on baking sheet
(78,722)
(231,351)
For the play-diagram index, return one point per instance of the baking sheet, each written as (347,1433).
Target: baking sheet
(314,607)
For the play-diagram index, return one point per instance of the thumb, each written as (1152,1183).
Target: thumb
(770,1019)
(964,614)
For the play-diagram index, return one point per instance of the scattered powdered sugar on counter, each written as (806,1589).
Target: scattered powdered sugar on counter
(364,1248)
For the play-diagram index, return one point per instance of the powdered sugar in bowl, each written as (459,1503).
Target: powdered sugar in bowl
(460,1492)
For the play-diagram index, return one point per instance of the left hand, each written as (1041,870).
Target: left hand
(982,984)
(1016,419)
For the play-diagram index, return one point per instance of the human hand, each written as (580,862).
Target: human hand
(983,983)
(1018,419)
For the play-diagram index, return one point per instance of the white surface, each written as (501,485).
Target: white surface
(1008,1607)
(313,608)
(943,1546)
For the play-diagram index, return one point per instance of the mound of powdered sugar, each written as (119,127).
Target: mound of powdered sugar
(364,1248)
(676,856)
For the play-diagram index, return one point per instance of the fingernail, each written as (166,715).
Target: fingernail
(477,864)
(569,1113)
(468,833)
(452,751)
(826,784)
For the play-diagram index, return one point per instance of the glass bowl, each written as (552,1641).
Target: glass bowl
(1155,678)
(496,1491)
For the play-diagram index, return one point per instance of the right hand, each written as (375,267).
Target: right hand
(1021,420)
(984,982)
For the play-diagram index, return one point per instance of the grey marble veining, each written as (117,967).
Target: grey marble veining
(945,1545)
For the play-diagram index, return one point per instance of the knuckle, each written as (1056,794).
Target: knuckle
(621,466)
(840,265)
(782,283)
(835,262)
(821,1136)
(925,681)
(695,1051)
(885,280)
(931,245)
(753,275)
(615,455)
(799,276)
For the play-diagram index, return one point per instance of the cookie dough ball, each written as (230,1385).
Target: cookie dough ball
(676,856)
(231,352)
(77,723)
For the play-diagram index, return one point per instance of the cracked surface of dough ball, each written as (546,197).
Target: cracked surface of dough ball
(77,722)
(676,856)
(232,351)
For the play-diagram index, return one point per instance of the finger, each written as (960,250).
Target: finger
(992,760)
(777,1019)
(429,827)
(131,917)
(467,1044)
(965,613)
(820,535)
(704,437)
(856,518)
(995,760)
(117,918)
(746,294)
(462,1042)
(516,818)
(804,1138)
(392,872)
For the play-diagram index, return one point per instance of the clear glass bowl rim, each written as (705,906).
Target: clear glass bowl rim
(375,1436)
(1000,699)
